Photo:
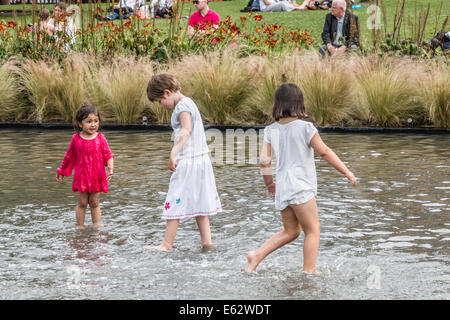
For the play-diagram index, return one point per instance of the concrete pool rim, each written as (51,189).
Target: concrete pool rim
(165,127)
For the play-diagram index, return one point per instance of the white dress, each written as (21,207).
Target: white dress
(296,180)
(192,188)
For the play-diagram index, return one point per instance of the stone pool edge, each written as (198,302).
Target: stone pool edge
(164,127)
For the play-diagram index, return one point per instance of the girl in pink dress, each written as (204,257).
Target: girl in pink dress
(88,153)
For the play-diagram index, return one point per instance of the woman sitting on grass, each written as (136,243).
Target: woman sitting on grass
(62,24)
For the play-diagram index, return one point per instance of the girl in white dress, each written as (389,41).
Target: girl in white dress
(192,188)
(293,141)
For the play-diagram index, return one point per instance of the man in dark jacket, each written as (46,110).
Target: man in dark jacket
(340,31)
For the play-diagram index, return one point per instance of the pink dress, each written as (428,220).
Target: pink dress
(89,157)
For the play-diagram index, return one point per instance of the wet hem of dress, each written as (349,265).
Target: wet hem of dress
(90,191)
(182,217)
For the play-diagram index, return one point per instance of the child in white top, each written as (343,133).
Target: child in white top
(293,141)
(192,189)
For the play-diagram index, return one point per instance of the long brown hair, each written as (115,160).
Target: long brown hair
(288,102)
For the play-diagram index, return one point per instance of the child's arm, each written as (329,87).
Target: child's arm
(265,162)
(110,165)
(68,162)
(108,157)
(329,156)
(185,132)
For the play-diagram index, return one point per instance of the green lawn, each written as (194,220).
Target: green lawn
(311,21)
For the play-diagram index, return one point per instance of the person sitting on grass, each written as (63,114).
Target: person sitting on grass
(316,4)
(279,5)
(127,8)
(44,19)
(204,17)
(161,9)
(62,25)
(340,31)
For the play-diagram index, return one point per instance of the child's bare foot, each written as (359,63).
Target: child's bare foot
(207,247)
(162,247)
(97,225)
(80,226)
(251,262)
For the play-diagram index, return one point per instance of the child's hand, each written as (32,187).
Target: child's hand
(110,174)
(59,177)
(172,162)
(350,176)
(271,189)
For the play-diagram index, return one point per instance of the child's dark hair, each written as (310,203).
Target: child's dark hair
(160,82)
(288,102)
(44,14)
(82,113)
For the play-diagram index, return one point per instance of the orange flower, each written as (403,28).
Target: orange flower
(100,10)
(148,25)
(243,19)
(258,17)
(11,24)
(110,24)
(127,24)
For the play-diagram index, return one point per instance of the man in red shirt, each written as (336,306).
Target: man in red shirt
(203,18)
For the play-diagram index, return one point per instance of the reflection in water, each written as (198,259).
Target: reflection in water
(85,244)
(395,222)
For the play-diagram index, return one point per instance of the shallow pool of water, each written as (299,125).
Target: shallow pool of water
(388,238)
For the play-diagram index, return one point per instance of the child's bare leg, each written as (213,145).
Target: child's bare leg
(94,204)
(169,236)
(205,231)
(80,212)
(290,232)
(308,216)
